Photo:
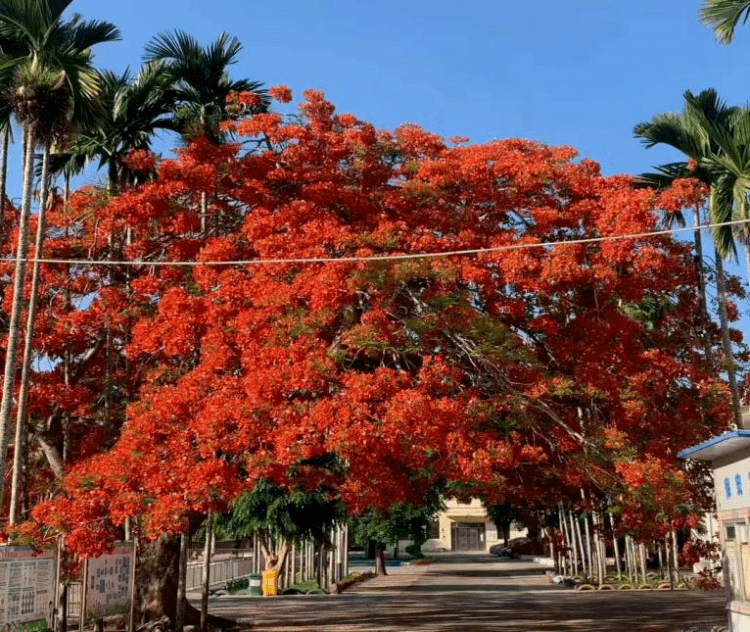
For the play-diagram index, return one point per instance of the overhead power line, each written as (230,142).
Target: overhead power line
(394,257)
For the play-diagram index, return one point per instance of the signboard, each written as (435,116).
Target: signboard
(27,589)
(108,582)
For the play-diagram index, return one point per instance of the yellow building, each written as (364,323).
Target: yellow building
(464,527)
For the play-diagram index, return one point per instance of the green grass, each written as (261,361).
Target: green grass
(305,586)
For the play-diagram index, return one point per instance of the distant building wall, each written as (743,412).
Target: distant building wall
(465,526)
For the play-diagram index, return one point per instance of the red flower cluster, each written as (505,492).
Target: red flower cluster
(281,93)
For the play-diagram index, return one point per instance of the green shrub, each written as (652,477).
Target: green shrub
(235,585)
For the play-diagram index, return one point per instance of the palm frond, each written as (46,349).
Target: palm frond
(57,8)
(94,32)
(24,21)
(670,129)
(720,210)
(172,46)
(223,52)
(664,175)
(723,16)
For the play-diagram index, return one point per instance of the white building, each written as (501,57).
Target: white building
(729,455)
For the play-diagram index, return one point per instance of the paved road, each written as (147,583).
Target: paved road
(475,592)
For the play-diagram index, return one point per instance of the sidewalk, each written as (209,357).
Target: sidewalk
(398,578)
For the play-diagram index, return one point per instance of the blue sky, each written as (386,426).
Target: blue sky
(579,73)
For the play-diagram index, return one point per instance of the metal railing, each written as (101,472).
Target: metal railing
(222,570)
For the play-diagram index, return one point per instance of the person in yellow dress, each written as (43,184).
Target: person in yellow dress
(270,575)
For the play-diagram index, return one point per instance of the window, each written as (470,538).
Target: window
(727,488)
(738,484)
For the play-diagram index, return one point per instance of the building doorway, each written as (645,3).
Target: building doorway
(467,536)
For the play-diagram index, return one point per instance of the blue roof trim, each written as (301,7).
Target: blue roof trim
(732,434)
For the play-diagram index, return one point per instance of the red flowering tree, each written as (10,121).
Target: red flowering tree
(317,325)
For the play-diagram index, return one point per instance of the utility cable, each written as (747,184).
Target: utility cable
(395,257)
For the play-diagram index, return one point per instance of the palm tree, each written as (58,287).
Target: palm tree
(132,111)
(202,85)
(724,16)
(201,80)
(51,84)
(702,132)
(8,47)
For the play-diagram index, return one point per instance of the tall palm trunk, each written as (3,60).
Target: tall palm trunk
(204,213)
(28,339)
(3,180)
(726,342)
(703,303)
(11,354)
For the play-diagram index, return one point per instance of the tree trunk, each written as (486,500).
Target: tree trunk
(602,546)
(23,390)
(566,537)
(54,458)
(158,578)
(111,177)
(204,213)
(318,554)
(600,563)
(702,301)
(574,544)
(274,560)
(157,581)
(206,572)
(630,557)
(3,180)
(11,354)
(615,547)
(380,559)
(726,342)
(589,550)
(182,582)
(675,555)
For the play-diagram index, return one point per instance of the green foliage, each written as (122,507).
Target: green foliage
(235,585)
(293,514)
(503,515)
(648,311)
(402,521)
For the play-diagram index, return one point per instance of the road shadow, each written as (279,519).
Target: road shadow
(520,572)
(479,593)
(482,613)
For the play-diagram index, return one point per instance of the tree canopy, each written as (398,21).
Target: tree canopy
(524,371)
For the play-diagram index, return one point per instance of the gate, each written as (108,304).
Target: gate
(467,536)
